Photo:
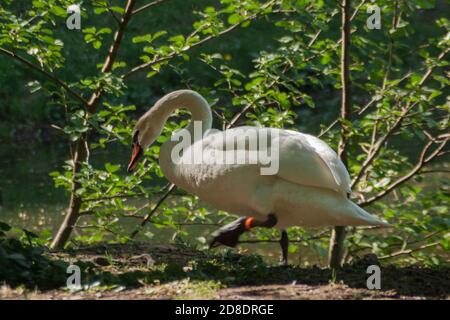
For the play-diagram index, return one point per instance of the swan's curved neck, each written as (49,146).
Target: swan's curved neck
(192,101)
(200,111)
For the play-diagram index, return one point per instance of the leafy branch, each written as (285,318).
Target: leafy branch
(424,159)
(409,251)
(377,146)
(47,74)
(173,54)
(112,53)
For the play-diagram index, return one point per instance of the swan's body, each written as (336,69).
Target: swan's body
(310,188)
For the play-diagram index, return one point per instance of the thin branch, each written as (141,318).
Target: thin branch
(42,14)
(409,251)
(316,36)
(423,160)
(107,6)
(379,144)
(147,6)
(403,244)
(357,9)
(434,171)
(88,226)
(49,75)
(187,224)
(112,13)
(116,196)
(152,212)
(86,212)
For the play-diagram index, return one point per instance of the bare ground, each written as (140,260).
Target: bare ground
(143,271)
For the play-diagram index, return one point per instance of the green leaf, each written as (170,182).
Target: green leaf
(119,10)
(179,40)
(105,30)
(144,38)
(234,18)
(58,11)
(111,168)
(100,10)
(159,34)
(97,44)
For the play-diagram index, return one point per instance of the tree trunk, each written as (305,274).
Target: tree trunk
(336,248)
(73,213)
(82,151)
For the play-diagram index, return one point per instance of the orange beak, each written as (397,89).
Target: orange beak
(135,157)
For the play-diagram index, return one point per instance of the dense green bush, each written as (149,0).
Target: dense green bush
(24,262)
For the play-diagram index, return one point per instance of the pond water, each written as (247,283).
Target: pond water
(29,199)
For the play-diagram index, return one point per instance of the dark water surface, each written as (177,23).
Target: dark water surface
(29,198)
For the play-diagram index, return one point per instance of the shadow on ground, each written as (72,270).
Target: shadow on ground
(167,271)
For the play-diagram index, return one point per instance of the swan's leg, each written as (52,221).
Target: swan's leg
(284,243)
(229,234)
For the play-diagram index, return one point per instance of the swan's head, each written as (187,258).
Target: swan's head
(147,129)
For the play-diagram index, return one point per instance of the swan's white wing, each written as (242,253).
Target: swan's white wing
(307,160)
(301,159)
(331,159)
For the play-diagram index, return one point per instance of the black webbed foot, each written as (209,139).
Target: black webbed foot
(229,234)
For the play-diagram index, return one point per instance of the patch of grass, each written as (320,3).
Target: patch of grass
(187,289)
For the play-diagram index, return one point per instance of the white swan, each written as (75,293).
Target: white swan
(310,188)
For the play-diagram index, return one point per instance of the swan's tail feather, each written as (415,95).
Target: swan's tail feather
(367,218)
